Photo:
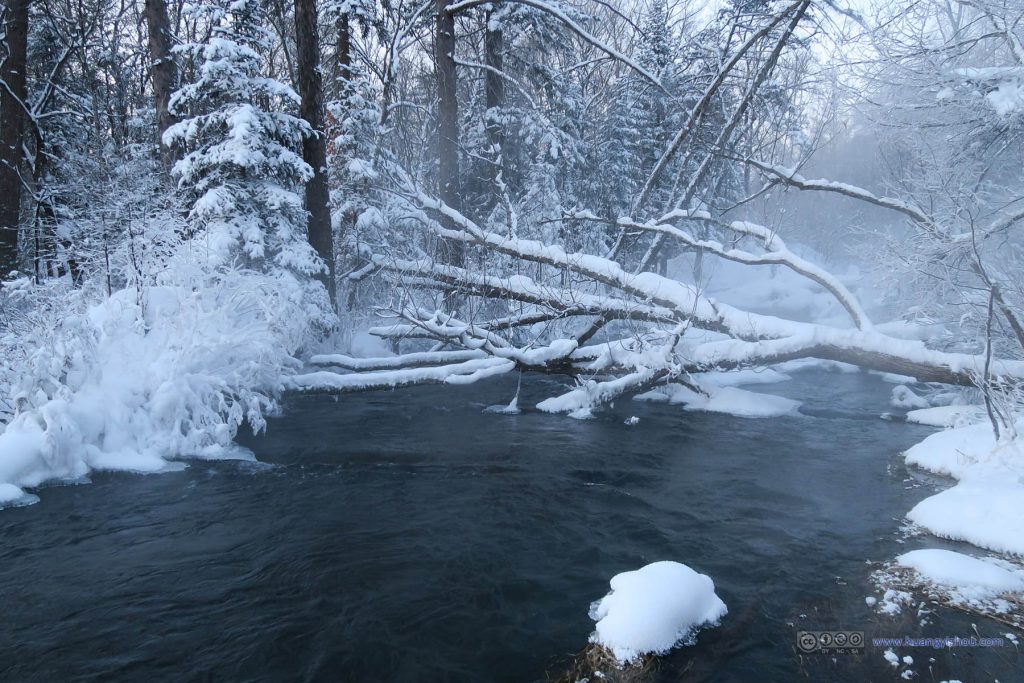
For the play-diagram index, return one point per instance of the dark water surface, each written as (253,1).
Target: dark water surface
(409,536)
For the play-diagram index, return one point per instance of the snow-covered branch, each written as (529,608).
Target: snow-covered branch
(790,177)
(776,253)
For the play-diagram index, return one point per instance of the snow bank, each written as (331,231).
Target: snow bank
(729,400)
(988,514)
(966,578)
(986,507)
(947,416)
(959,452)
(133,380)
(653,609)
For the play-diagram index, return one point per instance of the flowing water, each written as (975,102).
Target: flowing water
(409,536)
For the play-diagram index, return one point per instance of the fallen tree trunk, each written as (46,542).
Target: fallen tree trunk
(676,330)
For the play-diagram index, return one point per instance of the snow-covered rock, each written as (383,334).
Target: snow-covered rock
(653,609)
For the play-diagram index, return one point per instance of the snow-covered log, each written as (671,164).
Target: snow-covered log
(324,382)
(661,309)
(407,361)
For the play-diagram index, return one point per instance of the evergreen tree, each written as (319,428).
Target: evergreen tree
(241,172)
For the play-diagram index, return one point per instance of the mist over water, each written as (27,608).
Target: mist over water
(412,537)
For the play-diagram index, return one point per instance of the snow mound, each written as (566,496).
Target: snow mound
(653,609)
(724,399)
(967,578)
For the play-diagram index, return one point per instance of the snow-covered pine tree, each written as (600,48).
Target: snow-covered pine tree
(241,173)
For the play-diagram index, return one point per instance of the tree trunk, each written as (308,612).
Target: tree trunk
(447,121)
(494,92)
(343,52)
(12,125)
(314,147)
(165,74)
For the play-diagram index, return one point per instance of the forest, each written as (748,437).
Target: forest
(211,209)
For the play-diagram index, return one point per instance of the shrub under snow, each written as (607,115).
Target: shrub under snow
(653,609)
(127,381)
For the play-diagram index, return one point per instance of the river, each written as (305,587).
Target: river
(410,536)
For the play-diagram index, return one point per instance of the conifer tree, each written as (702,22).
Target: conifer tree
(241,173)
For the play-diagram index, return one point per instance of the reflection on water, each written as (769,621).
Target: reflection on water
(409,536)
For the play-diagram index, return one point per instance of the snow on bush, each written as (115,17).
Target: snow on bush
(654,609)
(126,381)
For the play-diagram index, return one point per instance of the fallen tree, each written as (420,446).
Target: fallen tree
(675,331)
